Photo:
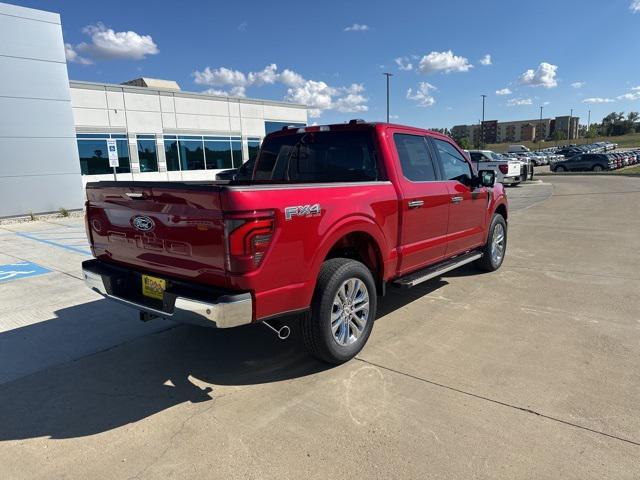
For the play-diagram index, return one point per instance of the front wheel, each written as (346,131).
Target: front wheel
(496,247)
(342,311)
(597,168)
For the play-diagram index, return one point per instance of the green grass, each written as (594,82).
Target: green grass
(635,170)
(624,141)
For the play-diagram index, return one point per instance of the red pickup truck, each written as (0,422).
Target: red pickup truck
(330,216)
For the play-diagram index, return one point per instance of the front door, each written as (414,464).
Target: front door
(467,215)
(424,204)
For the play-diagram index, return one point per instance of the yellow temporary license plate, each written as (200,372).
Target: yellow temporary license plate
(153,287)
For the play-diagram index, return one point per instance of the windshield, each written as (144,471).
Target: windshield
(498,157)
(317,157)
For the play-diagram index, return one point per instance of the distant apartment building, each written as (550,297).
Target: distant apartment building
(517,131)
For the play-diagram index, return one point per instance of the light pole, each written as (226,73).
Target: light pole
(588,122)
(540,126)
(482,123)
(386,74)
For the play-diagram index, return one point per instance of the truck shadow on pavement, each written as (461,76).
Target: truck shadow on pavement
(146,376)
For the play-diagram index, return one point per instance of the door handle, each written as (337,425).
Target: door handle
(456,200)
(415,203)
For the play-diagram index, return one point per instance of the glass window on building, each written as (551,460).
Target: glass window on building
(275,126)
(253,145)
(218,154)
(147,153)
(94,159)
(236,149)
(191,154)
(172,154)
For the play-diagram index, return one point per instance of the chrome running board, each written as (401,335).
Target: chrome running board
(415,278)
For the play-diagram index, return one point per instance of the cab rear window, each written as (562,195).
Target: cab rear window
(318,157)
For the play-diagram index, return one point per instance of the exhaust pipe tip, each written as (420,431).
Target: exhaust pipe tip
(284,332)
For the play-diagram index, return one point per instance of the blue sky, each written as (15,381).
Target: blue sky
(563,54)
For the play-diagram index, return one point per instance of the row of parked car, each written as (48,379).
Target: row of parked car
(597,162)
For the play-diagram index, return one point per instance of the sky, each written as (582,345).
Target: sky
(331,55)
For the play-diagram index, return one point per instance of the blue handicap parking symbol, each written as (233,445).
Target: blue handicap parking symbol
(15,271)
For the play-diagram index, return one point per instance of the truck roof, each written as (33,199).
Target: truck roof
(354,125)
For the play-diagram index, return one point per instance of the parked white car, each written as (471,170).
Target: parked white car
(508,171)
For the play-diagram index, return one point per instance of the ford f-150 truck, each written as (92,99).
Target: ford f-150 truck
(329,218)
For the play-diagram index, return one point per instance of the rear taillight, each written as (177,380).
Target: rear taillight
(504,168)
(248,238)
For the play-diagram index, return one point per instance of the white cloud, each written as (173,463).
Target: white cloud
(73,56)
(356,27)
(267,76)
(486,60)
(445,62)
(220,76)
(516,102)
(317,95)
(243,27)
(504,91)
(291,78)
(353,100)
(404,63)
(597,100)
(234,92)
(543,76)
(635,95)
(422,95)
(634,6)
(580,84)
(108,44)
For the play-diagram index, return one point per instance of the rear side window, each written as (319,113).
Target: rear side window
(476,157)
(318,157)
(454,166)
(415,158)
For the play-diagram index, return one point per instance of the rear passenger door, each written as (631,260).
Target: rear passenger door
(424,203)
(467,215)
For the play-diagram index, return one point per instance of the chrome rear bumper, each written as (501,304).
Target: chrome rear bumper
(226,311)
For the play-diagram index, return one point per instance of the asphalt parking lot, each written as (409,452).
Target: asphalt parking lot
(527,372)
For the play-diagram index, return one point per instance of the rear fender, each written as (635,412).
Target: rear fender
(351,224)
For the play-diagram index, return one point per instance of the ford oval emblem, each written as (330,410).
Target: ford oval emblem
(142,223)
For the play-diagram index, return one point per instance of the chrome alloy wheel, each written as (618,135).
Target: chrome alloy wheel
(497,244)
(350,311)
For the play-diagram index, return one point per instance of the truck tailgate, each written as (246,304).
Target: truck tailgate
(172,229)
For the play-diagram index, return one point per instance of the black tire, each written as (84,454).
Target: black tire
(317,336)
(560,169)
(488,262)
(598,168)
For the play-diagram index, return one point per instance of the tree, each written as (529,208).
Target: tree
(559,135)
(464,143)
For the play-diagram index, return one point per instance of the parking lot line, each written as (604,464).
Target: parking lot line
(71,248)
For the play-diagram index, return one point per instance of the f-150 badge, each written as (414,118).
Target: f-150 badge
(302,211)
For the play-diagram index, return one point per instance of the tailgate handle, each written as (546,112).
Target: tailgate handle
(135,195)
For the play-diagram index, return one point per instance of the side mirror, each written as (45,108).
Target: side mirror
(487,178)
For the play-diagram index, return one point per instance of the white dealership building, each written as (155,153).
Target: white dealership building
(54,133)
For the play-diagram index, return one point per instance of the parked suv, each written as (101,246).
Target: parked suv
(596,162)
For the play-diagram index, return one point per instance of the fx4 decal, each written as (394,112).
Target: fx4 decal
(302,211)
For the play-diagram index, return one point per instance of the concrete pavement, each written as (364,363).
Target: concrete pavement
(528,372)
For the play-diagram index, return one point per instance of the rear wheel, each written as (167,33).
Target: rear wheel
(597,168)
(496,246)
(342,311)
